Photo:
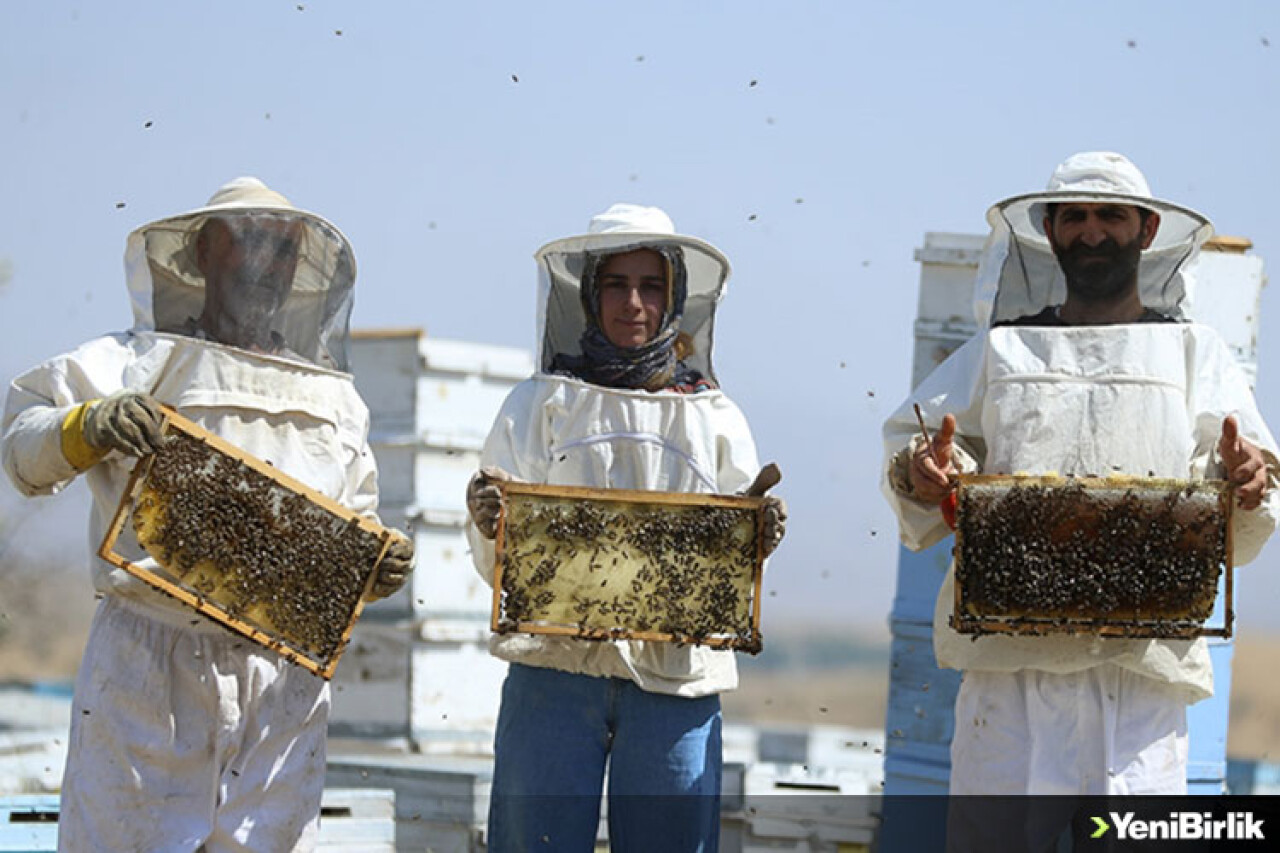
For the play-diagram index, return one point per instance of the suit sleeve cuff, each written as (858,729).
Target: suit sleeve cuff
(76,450)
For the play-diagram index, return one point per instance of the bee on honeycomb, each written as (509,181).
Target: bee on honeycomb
(260,553)
(614,569)
(1077,555)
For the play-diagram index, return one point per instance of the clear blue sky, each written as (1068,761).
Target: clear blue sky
(814,143)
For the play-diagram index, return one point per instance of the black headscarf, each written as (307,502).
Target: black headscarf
(653,365)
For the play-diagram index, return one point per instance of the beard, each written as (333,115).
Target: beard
(1100,273)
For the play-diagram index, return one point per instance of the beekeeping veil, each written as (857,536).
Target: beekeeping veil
(299,256)
(1019,274)
(696,267)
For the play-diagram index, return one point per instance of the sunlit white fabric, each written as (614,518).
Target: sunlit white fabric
(566,432)
(1087,401)
(168,721)
(1086,734)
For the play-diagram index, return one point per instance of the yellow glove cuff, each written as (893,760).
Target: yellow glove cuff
(76,450)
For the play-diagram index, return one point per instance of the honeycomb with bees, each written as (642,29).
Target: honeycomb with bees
(247,546)
(614,564)
(1114,556)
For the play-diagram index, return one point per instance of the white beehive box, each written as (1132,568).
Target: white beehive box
(944,316)
(1227,295)
(418,665)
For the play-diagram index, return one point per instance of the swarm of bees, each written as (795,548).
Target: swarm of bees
(1127,557)
(261,554)
(616,569)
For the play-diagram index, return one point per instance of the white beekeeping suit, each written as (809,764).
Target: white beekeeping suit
(184,734)
(1069,714)
(558,429)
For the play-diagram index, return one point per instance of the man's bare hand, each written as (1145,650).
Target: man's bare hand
(932,480)
(1246,468)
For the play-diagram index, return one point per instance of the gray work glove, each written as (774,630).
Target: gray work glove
(775,508)
(775,522)
(127,421)
(484,500)
(395,568)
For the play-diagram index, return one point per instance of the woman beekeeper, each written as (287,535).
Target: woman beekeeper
(625,398)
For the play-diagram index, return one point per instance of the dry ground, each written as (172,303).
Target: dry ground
(44,618)
(856,696)
(1255,699)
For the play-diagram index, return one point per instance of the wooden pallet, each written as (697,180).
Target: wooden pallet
(617,564)
(254,526)
(1113,556)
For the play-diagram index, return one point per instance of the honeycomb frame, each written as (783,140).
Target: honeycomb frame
(612,564)
(1104,556)
(236,596)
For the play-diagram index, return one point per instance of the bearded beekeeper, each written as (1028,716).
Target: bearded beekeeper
(185,736)
(625,398)
(1089,365)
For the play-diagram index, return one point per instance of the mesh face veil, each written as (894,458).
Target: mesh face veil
(1019,274)
(695,267)
(262,277)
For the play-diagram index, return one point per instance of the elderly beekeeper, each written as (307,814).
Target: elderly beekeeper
(1090,363)
(185,736)
(625,398)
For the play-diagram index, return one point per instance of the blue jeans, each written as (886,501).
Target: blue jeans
(556,732)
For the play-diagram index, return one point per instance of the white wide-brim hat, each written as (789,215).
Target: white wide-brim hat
(1100,177)
(170,238)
